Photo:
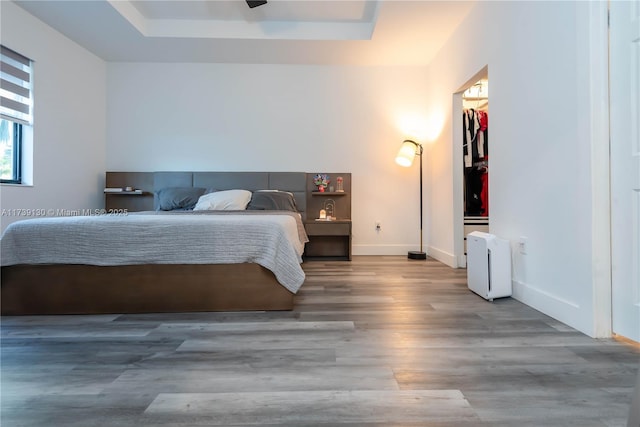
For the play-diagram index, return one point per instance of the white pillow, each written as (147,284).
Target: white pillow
(227,200)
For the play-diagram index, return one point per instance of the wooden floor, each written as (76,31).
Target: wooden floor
(379,341)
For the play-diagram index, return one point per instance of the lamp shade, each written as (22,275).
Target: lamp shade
(406,153)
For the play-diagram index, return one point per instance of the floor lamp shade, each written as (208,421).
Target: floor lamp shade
(406,154)
(408,151)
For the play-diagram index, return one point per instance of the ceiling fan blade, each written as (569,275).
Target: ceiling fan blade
(256,3)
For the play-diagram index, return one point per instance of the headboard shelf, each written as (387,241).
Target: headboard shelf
(327,193)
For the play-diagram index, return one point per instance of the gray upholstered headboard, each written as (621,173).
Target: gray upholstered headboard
(294,182)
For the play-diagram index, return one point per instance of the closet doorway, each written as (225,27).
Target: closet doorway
(471,153)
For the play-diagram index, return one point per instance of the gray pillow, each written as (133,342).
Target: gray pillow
(272,201)
(178,198)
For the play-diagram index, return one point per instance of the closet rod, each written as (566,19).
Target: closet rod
(474,98)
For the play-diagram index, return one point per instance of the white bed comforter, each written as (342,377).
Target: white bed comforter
(274,240)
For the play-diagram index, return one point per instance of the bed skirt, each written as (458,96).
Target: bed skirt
(157,288)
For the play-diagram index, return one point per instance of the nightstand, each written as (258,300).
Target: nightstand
(328,240)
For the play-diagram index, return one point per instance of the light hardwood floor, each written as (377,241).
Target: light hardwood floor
(379,341)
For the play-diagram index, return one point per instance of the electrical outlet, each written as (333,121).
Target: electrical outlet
(522,245)
(378,226)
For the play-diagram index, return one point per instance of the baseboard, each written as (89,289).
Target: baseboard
(565,311)
(381,249)
(444,257)
(437,254)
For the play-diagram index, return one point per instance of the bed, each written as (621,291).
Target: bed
(161,260)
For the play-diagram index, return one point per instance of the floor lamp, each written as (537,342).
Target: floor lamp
(405,157)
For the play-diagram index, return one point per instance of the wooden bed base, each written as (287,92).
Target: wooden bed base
(158,288)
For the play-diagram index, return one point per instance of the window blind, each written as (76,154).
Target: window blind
(15,87)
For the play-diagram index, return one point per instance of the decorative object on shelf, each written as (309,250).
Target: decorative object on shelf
(329,208)
(321,181)
(340,185)
(406,154)
(323,214)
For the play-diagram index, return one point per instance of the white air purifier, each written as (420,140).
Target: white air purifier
(488,265)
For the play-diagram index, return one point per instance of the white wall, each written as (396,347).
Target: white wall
(277,118)
(69,119)
(539,143)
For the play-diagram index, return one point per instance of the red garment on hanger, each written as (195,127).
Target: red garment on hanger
(483,118)
(484,195)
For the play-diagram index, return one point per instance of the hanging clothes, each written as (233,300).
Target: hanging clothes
(473,191)
(484,192)
(483,120)
(476,152)
(471,125)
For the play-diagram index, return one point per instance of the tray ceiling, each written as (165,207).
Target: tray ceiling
(350,32)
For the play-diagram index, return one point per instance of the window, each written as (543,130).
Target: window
(10,151)
(15,112)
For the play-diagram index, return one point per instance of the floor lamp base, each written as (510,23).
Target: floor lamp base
(417,255)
